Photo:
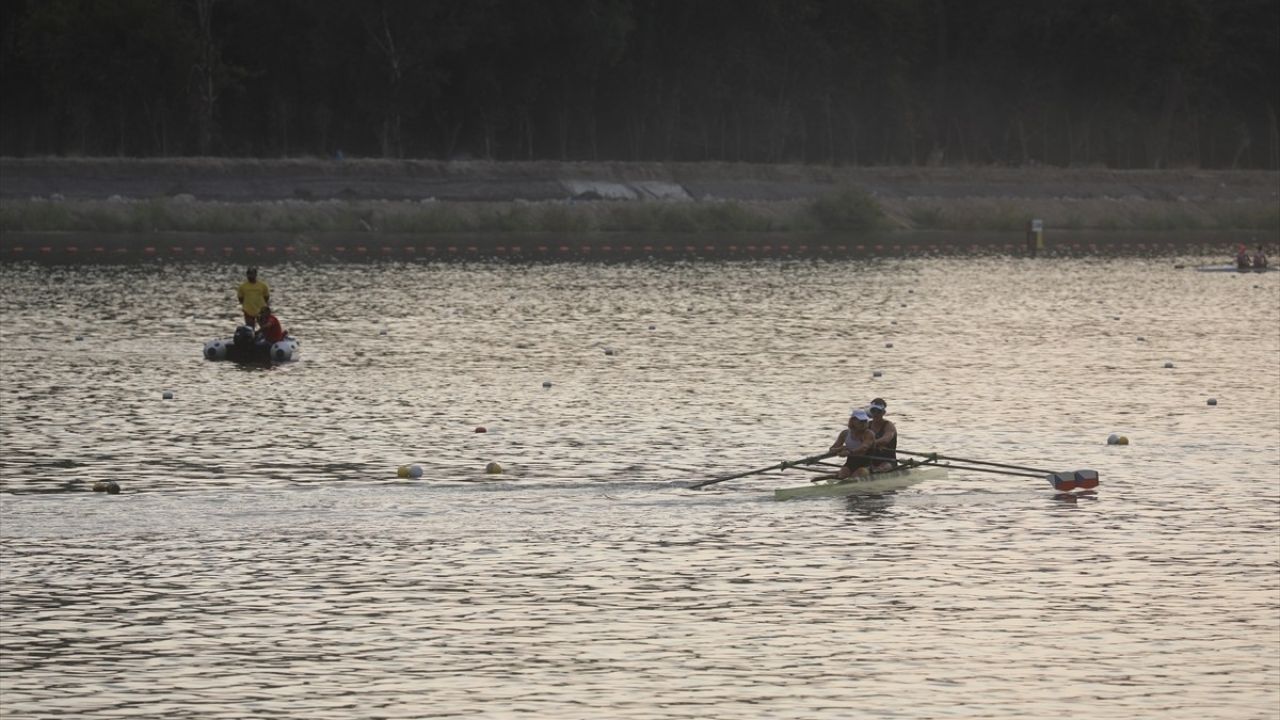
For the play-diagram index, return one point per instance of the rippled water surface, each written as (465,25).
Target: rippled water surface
(263,559)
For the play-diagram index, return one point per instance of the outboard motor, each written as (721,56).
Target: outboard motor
(243,338)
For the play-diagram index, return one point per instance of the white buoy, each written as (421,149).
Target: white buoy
(167,395)
(415,471)
(1113,439)
(1213,401)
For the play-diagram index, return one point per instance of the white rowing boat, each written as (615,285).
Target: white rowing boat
(874,484)
(1232,267)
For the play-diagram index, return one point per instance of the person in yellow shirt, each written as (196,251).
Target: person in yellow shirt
(254,296)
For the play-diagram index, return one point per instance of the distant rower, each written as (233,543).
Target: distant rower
(1259,259)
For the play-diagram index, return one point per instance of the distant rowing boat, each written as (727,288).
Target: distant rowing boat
(1234,268)
(908,474)
(870,485)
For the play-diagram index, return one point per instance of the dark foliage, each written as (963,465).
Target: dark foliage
(1120,83)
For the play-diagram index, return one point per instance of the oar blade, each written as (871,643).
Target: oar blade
(1063,481)
(1074,480)
(1087,479)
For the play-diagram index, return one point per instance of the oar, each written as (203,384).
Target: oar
(1059,480)
(780,466)
(902,465)
(818,467)
(975,462)
(1014,473)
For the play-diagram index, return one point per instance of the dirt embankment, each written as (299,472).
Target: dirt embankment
(236,180)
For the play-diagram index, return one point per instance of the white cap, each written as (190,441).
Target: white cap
(860,414)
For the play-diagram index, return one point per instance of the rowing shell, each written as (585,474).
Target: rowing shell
(1235,268)
(870,485)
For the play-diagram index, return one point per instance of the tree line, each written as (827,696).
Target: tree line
(1116,83)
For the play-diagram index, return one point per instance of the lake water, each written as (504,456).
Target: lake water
(263,559)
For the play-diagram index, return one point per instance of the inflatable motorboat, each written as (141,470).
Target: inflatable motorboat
(244,348)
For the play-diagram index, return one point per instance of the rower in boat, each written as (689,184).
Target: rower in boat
(885,449)
(1243,261)
(855,444)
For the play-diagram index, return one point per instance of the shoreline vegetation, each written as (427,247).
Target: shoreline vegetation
(393,197)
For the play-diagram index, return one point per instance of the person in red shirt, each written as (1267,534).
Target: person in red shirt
(269,329)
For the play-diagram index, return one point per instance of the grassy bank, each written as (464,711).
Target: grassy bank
(843,210)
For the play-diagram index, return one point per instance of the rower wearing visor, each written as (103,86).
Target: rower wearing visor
(885,450)
(855,443)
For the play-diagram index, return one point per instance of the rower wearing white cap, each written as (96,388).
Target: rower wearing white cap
(886,447)
(855,445)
